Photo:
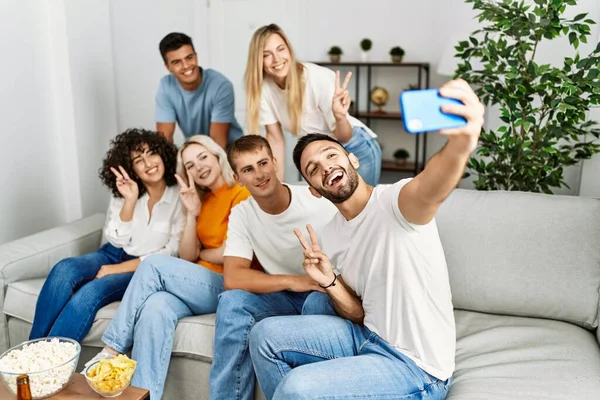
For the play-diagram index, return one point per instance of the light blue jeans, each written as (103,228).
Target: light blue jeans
(231,374)
(327,357)
(163,290)
(368,152)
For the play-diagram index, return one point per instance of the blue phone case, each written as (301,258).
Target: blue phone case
(421,111)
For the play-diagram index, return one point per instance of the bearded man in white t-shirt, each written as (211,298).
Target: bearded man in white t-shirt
(385,244)
(262,228)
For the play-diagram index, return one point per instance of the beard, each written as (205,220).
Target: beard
(345,192)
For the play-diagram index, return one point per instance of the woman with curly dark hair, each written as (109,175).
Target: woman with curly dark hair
(145,217)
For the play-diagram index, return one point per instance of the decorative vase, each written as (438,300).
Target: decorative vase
(335,58)
(400,162)
(364,56)
(396,59)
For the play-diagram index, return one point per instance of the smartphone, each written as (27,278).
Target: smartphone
(421,111)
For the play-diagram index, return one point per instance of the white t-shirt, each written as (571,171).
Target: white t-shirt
(271,237)
(317,116)
(143,235)
(399,271)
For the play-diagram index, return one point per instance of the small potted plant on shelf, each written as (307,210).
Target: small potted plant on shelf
(365,45)
(400,156)
(334,54)
(397,54)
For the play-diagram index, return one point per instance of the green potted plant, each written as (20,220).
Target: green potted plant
(400,156)
(335,53)
(543,108)
(397,54)
(365,45)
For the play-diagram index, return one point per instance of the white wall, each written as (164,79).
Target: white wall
(590,174)
(58,103)
(136,30)
(30,171)
(93,90)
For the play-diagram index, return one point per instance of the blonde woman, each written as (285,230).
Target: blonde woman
(165,289)
(283,93)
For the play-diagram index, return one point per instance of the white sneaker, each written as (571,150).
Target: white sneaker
(102,355)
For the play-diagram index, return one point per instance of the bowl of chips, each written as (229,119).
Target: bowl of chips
(110,377)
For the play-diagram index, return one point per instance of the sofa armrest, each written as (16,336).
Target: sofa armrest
(33,256)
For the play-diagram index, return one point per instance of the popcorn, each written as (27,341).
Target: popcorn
(45,356)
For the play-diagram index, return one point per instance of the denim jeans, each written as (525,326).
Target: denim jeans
(163,290)
(231,374)
(368,152)
(71,295)
(326,357)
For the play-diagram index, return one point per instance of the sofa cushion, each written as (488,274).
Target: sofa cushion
(193,335)
(501,358)
(524,254)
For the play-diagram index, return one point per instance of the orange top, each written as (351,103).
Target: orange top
(211,227)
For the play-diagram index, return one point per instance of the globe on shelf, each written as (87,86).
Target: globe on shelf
(379,96)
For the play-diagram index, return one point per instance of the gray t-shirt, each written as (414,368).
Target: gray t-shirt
(194,111)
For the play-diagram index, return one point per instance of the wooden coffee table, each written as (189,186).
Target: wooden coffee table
(78,389)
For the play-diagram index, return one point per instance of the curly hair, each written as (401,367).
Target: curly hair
(120,151)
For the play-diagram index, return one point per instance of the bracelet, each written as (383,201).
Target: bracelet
(331,284)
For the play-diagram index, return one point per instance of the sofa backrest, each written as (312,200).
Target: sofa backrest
(523,254)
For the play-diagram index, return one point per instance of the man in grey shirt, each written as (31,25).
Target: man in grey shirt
(200,101)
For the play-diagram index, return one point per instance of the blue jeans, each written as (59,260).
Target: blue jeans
(231,374)
(326,357)
(71,295)
(368,152)
(163,290)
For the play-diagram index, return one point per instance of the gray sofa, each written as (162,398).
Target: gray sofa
(525,278)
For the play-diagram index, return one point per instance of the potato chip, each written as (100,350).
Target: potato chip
(112,375)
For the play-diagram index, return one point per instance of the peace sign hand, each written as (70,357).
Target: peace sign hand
(125,185)
(189,195)
(341,96)
(316,263)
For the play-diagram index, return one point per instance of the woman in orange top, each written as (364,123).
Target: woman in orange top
(165,289)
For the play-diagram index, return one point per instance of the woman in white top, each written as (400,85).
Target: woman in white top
(302,98)
(144,217)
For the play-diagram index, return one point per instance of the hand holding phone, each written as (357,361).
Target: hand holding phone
(421,111)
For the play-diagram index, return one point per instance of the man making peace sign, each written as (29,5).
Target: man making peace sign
(384,242)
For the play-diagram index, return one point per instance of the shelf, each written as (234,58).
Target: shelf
(372,64)
(377,115)
(391,165)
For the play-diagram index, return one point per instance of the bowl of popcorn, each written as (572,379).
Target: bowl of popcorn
(109,377)
(49,362)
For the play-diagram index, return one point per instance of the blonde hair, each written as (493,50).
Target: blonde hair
(254,80)
(209,144)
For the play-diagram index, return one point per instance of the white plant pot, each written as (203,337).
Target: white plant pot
(364,56)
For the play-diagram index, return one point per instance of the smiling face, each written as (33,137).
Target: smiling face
(329,170)
(203,165)
(276,58)
(147,165)
(257,171)
(183,64)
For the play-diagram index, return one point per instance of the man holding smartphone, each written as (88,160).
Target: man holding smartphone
(385,244)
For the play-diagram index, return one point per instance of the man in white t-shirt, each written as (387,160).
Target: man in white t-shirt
(262,227)
(384,242)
